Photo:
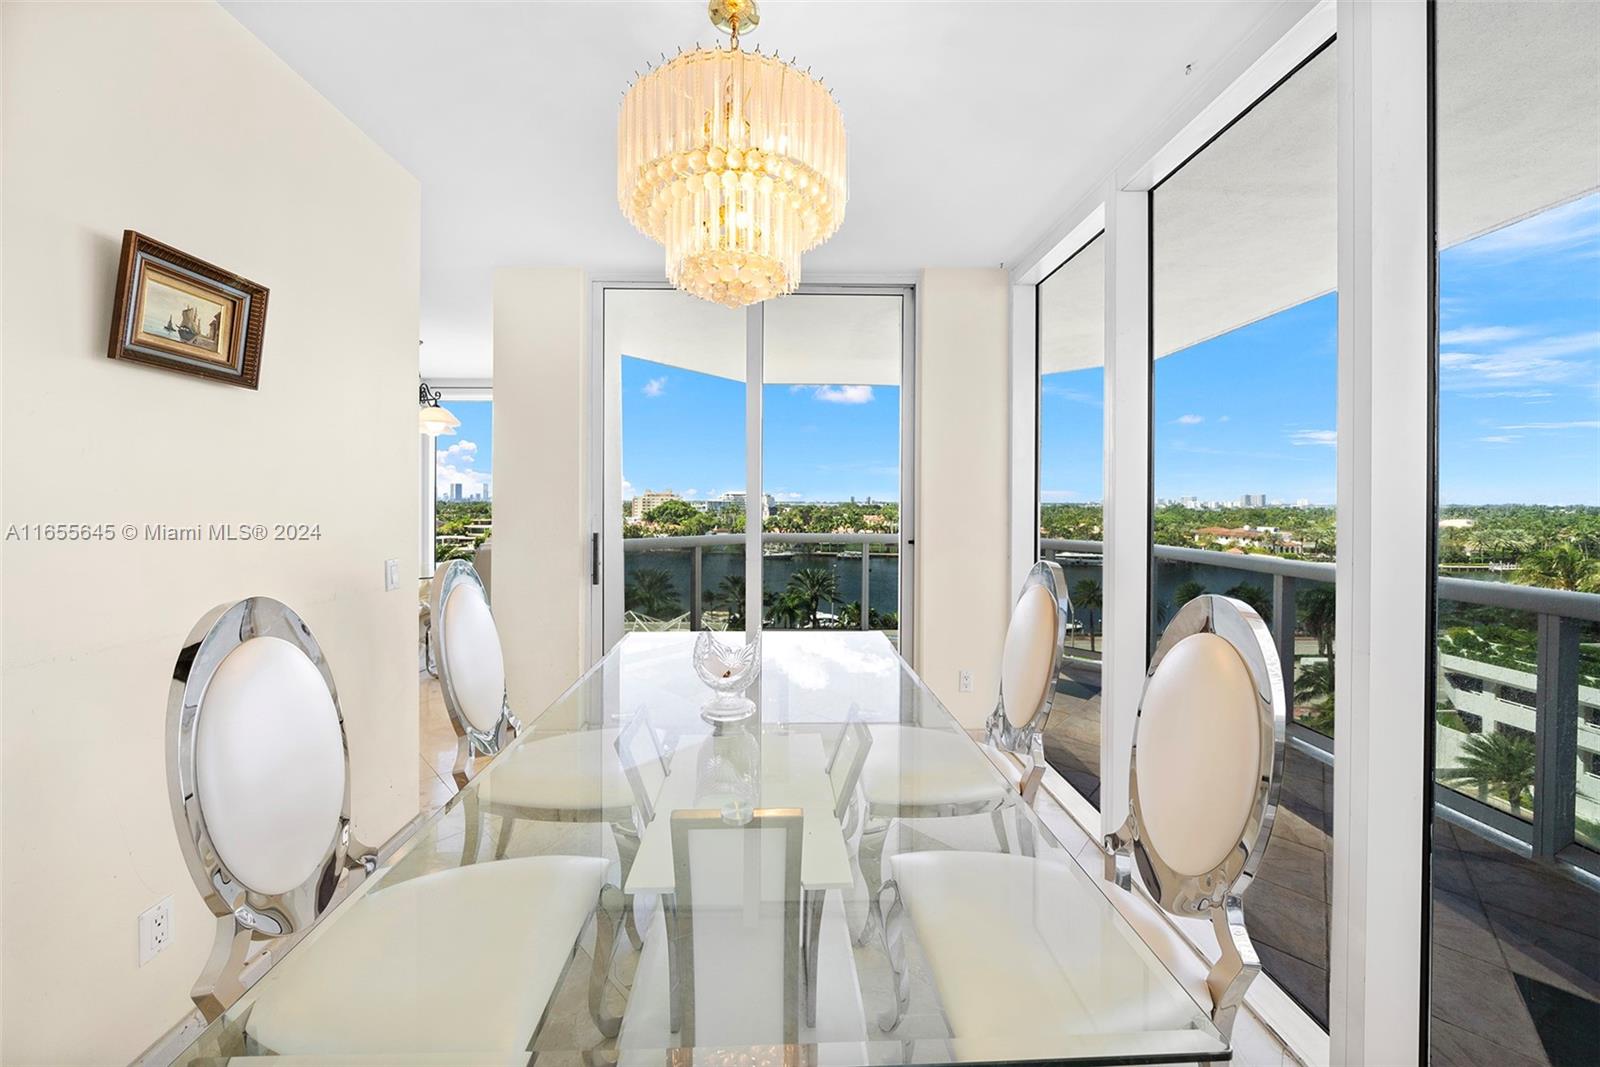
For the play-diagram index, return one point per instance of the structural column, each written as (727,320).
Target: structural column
(1385,526)
(1127,493)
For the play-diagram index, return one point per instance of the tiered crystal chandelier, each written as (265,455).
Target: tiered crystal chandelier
(735,162)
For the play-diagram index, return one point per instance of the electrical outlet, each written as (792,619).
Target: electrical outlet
(391,575)
(155,930)
(964,683)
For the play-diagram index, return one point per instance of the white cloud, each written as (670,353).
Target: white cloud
(628,491)
(460,452)
(655,387)
(449,475)
(1189,420)
(1480,335)
(1077,396)
(1330,438)
(1223,418)
(786,496)
(1580,424)
(844,394)
(1542,361)
(689,494)
(1567,226)
(1500,438)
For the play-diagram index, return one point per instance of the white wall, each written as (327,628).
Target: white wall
(541,485)
(963,479)
(173,120)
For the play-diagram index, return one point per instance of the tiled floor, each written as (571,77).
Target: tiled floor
(569,1024)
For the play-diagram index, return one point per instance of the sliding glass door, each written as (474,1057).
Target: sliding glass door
(752,450)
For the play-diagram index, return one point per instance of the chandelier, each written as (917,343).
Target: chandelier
(735,162)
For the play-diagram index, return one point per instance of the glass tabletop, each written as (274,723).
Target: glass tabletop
(844,876)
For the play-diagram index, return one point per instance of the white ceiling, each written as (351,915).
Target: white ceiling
(1249,226)
(972,125)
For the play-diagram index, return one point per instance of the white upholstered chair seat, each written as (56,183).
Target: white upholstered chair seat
(570,772)
(914,767)
(459,961)
(1045,962)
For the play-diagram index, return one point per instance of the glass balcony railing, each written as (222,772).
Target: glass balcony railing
(1518,669)
(809,581)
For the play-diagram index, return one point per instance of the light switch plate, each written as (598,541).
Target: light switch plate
(391,574)
(155,930)
(965,682)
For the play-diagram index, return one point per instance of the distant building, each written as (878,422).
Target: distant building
(1253,500)
(485,494)
(455,491)
(1302,503)
(1190,502)
(735,502)
(646,502)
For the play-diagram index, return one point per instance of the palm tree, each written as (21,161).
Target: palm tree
(651,592)
(1313,689)
(1317,617)
(1086,598)
(1561,566)
(728,596)
(1186,592)
(1502,760)
(1256,597)
(784,611)
(850,615)
(813,585)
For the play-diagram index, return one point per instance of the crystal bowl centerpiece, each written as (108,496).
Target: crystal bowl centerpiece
(728,671)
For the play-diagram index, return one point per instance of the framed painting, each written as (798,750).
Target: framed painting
(175,311)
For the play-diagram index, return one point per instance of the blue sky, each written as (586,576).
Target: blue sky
(468,456)
(1253,411)
(684,431)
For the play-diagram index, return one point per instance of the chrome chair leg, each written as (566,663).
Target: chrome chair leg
(507,824)
(472,828)
(998,818)
(870,862)
(894,922)
(627,841)
(606,919)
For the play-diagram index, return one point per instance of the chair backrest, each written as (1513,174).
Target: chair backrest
(644,762)
(472,669)
(846,758)
(1207,755)
(735,927)
(258,768)
(1030,663)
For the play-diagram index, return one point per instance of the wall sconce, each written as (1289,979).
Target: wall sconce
(432,419)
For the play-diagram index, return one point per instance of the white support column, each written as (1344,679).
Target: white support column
(1127,493)
(754,494)
(1024,546)
(1384,526)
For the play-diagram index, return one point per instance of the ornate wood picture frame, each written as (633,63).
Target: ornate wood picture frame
(184,314)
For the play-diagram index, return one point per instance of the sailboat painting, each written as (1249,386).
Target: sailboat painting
(178,312)
(174,310)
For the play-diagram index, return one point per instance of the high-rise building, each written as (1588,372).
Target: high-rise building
(1253,500)
(455,491)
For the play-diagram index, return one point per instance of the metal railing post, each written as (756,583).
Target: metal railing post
(1283,625)
(866,579)
(696,584)
(1555,727)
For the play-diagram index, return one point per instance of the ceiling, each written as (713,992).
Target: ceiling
(1249,226)
(973,126)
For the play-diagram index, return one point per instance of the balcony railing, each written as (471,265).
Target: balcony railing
(1551,834)
(697,546)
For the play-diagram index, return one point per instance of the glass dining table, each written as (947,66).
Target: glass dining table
(765,895)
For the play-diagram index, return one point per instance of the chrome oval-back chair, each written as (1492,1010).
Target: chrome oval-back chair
(259,778)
